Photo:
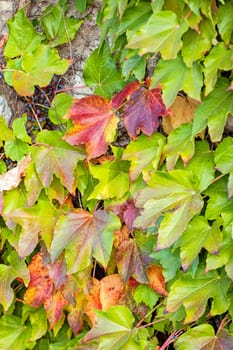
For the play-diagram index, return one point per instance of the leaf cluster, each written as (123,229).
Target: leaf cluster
(117,226)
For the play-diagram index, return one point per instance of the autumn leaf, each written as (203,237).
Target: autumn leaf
(130,262)
(111,290)
(76,312)
(156,279)
(126,211)
(94,124)
(142,110)
(125,94)
(13,177)
(54,307)
(84,235)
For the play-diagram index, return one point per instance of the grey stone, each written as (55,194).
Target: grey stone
(5,110)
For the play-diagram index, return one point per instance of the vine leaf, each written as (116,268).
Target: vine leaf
(101,73)
(172,196)
(53,156)
(203,337)
(224,161)
(162,33)
(94,124)
(12,178)
(142,110)
(59,29)
(125,93)
(145,154)
(54,307)
(84,235)
(156,279)
(13,334)
(224,21)
(22,36)
(190,79)
(198,234)
(130,261)
(113,179)
(112,327)
(214,111)
(193,294)
(38,68)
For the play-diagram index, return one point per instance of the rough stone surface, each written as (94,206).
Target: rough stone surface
(5,109)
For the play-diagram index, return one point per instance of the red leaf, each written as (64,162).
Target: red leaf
(125,93)
(142,111)
(127,212)
(54,307)
(156,279)
(94,124)
(40,287)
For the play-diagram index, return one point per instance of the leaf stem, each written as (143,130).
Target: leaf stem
(36,117)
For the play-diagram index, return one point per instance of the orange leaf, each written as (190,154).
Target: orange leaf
(54,307)
(111,291)
(156,279)
(94,124)
(93,300)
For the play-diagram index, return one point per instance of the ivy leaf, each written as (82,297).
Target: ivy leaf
(141,112)
(13,335)
(193,294)
(144,154)
(224,21)
(16,149)
(38,68)
(94,124)
(22,36)
(203,337)
(156,279)
(54,307)
(219,58)
(197,44)
(59,29)
(190,79)
(162,33)
(113,328)
(35,220)
(84,235)
(214,111)
(8,273)
(101,73)
(113,179)
(172,196)
(6,133)
(179,143)
(224,160)
(198,234)
(53,156)
(19,129)
(130,261)
(59,107)
(145,294)
(38,320)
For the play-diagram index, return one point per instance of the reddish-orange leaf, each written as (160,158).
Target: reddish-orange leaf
(121,235)
(125,93)
(142,110)
(94,124)
(40,287)
(156,279)
(54,307)
(75,316)
(111,291)
(93,300)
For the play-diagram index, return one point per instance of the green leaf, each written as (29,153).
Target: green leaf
(180,143)
(38,320)
(190,79)
(59,107)
(202,165)
(197,44)
(8,273)
(35,220)
(193,294)
(224,21)
(203,337)
(13,335)
(32,184)
(224,161)
(162,33)
(53,156)
(19,129)
(59,29)
(38,67)
(145,294)
(214,111)
(170,261)
(199,234)
(113,328)
(6,133)
(22,36)
(84,235)
(134,17)
(173,197)
(113,179)
(16,149)
(144,154)
(101,73)
(81,5)
(219,58)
